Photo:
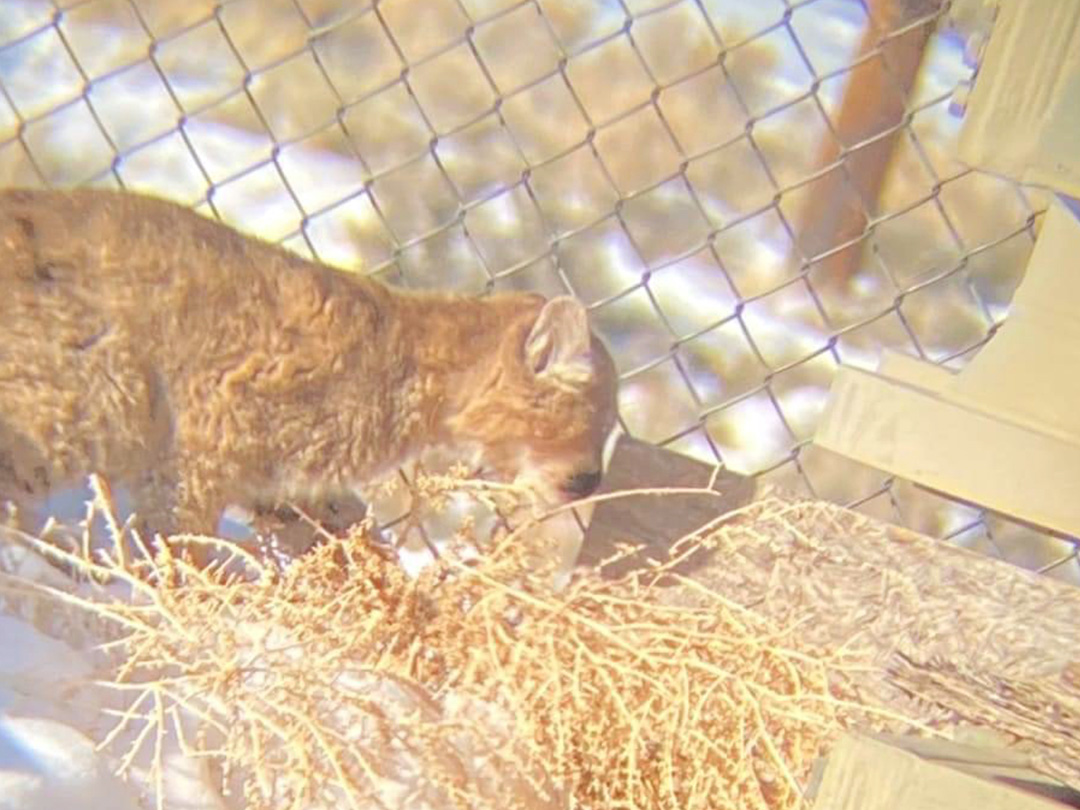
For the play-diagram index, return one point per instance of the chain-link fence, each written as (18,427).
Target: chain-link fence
(746,193)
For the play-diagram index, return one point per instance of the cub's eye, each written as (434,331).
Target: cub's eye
(582,484)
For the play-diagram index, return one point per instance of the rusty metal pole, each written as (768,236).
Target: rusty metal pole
(874,102)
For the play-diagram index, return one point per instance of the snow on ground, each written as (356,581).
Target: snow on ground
(54,710)
(52,714)
(45,762)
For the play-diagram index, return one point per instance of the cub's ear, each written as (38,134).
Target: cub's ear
(558,347)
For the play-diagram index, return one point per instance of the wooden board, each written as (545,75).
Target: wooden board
(654,522)
(1005,431)
(1023,116)
(878,774)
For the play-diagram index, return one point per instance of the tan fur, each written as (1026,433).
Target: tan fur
(203,368)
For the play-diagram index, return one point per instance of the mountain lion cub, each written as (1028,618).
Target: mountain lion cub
(202,368)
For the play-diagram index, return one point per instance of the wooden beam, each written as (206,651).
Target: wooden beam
(867,774)
(653,522)
(1004,432)
(1023,115)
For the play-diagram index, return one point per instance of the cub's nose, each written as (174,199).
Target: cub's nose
(581,484)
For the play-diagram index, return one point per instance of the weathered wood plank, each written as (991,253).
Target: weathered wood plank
(655,522)
(867,774)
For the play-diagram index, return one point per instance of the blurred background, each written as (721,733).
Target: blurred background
(746,193)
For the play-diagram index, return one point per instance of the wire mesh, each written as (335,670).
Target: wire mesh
(665,161)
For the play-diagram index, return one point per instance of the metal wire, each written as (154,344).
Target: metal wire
(58,127)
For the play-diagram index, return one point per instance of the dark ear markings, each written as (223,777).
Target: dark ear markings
(559,345)
(537,354)
(45,271)
(26,225)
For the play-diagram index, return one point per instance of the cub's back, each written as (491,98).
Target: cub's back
(68,367)
(116,305)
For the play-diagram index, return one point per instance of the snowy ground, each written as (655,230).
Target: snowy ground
(60,707)
(53,714)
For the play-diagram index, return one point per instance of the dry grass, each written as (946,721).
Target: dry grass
(948,636)
(339,681)
(1045,720)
